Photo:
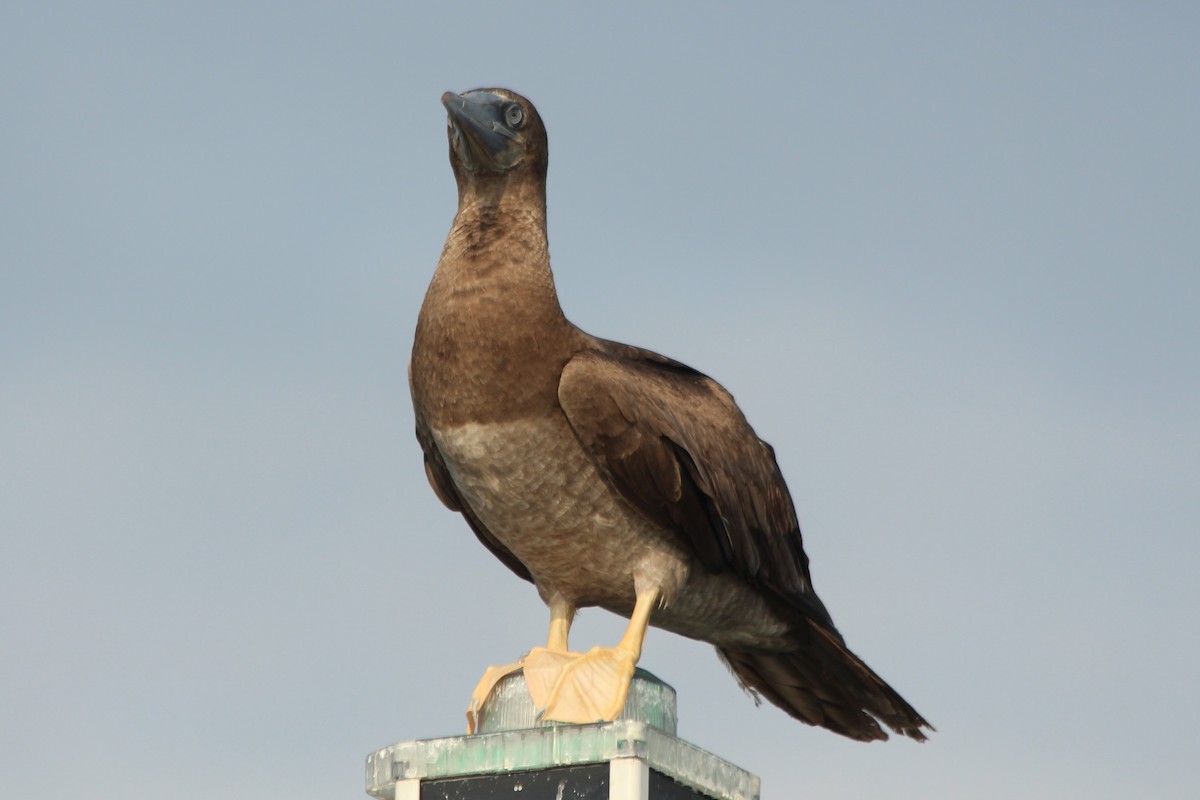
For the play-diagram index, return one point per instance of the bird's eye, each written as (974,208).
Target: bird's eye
(514,115)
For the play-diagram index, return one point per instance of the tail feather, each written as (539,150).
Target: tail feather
(822,683)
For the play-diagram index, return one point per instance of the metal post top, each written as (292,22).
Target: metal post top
(511,739)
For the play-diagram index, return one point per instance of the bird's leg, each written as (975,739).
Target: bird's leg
(593,687)
(542,665)
(562,614)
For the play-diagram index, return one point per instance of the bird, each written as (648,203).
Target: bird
(606,474)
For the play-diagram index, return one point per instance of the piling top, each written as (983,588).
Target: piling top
(512,740)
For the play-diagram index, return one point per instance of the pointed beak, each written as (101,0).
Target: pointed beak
(477,129)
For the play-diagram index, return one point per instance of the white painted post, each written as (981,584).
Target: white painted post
(408,790)
(628,779)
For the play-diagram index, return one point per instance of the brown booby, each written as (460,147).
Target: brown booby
(605,474)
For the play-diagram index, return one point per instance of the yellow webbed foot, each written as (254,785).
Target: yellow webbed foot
(543,668)
(484,688)
(569,687)
(592,687)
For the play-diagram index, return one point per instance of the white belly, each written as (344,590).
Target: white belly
(531,483)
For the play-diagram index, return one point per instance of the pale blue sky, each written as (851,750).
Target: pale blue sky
(946,256)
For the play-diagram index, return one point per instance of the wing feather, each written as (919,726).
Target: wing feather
(672,441)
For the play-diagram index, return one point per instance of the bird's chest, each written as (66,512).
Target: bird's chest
(490,343)
(533,486)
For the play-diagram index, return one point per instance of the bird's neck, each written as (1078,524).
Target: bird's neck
(491,233)
(497,248)
(491,336)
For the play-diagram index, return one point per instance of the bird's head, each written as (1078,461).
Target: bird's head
(493,133)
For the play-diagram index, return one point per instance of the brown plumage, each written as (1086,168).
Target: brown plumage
(602,472)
